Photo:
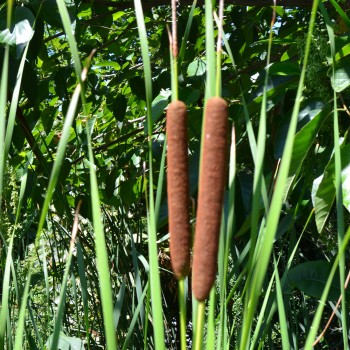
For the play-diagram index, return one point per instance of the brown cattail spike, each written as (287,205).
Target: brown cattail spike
(210,197)
(178,188)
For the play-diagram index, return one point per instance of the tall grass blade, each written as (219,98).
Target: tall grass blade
(84,290)
(268,295)
(61,149)
(14,104)
(250,131)
(101,254)
(226,240)
(134,318)
(257,189)
(187,33)
(3,100)
(268,232)
(22,316)
(157,310)
(138,282)
(338,179)
(319,311)
(53,343)
(210,324)
(71,41)
(281,310)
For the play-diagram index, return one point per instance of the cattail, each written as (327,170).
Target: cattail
(210,197)
(178,188)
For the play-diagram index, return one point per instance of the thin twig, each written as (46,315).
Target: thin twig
(220,25)
(333,314)
(344,105)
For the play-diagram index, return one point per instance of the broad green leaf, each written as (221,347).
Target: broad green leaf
(67,343)
(47,117)
(22,32)
(114,65)
(119,107)
(6,37)
(344,51)
(304,138)
(276,88)
(138,87)
(311,277)
(196,68)
(284,68)
(345,176)
(50,13)
(189,95)
(311,118)
(24,20)
(159,104)
(341,78)
(117,15)
(323,189)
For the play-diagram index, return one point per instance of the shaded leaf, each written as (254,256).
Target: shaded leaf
(284,68)
(119,107)
(311,277)
(138,87)
(311,118)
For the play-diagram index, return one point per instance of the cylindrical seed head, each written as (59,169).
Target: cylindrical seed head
(210,197)
(178,188)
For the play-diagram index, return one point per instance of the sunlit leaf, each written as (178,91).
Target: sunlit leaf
(114,65)
(159,104)
(67,343)
(323,189)
(22,31)
(196,68)
(341,78)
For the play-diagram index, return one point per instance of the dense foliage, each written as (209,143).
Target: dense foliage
(116,96)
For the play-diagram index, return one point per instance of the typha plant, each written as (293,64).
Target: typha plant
(177,172)
(178,181)
(178,188)
(212,172)
(213,169)
(210,196)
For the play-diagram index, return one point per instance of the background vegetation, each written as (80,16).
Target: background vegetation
(89,284)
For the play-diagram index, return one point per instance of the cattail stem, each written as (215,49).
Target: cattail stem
(210,197)
(178,189)
(198,338)
(182,305)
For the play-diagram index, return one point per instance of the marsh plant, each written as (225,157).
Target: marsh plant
(174,175)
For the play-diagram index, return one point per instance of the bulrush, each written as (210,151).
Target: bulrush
(210,197)
(178,188)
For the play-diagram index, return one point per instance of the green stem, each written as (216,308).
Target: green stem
(199,326)
(218,73)
(182,306)
(174,82)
